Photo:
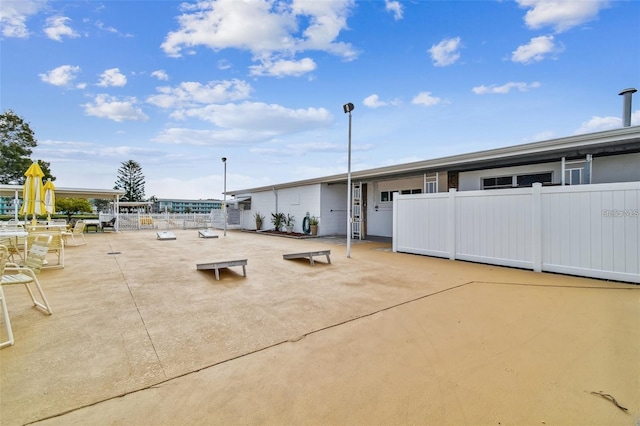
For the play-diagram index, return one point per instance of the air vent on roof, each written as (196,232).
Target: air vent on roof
(626,107)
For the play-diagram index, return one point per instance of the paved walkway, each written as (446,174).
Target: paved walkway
(139,336)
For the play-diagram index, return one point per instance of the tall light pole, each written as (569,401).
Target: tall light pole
(347,110)
(224,206)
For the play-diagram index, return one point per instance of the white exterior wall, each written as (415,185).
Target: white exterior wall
(333,212)
(263,202)
(295,201)
(588,230)
(298,201)
(616,168)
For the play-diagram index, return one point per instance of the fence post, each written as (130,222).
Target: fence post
(536,226)
(451,224)
(394,225)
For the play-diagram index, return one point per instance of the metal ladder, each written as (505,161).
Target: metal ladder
(356,210)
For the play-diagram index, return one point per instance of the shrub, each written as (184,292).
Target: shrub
(278,220)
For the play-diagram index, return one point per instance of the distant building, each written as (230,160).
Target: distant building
(6,205)
(172,205)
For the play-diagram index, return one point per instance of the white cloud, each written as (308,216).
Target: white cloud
(14,16)
(446,52)
(192,93)
(112,77)
(536,50)
(269,29)
(109,29)
(224,64)
(395,7)
(373,101)
(105,106)
(56,28)
(505,88)
(425,98)
(596,124)
(160,75)
(562,15)
(283,68)
(266,119)
(61,76)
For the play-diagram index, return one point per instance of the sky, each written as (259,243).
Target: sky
(176,86)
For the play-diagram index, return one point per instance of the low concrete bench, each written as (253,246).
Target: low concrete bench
(223,264)
(308,255)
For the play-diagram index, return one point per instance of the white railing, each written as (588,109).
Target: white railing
(167,221)
(587,230)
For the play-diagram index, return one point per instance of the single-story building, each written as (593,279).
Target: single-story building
(603,157)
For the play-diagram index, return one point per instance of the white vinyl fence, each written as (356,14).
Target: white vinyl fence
(586,230)
(167,221)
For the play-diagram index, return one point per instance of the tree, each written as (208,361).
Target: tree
(16,141)
(71,206)
(131,181)
(102,205)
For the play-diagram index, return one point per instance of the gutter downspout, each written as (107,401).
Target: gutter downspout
(275,192)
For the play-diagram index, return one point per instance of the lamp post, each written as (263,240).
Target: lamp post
(224,206)
(347,110)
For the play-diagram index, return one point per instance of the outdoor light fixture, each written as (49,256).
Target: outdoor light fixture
(347,110)
(224,206)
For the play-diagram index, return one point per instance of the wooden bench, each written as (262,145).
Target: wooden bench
(223,264)
(308,255)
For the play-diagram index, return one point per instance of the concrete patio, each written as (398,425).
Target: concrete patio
(140,337)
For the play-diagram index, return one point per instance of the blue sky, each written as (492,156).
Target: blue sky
(176,86)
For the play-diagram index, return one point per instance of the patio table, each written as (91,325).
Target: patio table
(13,236)
(92,223)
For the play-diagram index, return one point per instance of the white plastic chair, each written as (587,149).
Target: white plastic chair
(4,256)
(77,231)
(27,274)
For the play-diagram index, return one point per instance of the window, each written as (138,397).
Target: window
(529,180)
(516,181)
(497,182)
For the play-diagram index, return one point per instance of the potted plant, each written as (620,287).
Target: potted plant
(259,219)
(278,220)
(313,225)
(288,223)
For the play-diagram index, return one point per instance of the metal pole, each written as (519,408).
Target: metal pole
(349,194)
(224,206)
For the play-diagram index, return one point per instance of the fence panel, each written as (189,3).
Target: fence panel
(592,229)
(587,230)
(494,229)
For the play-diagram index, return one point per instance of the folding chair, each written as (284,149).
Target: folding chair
(4,256)
(27,274)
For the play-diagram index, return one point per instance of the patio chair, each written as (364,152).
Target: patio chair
(56,246)
(77,231)
(13,246)
(27,274)
(110,224)
(4,257)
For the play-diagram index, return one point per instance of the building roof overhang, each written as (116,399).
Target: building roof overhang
(609,142)
(11,190)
